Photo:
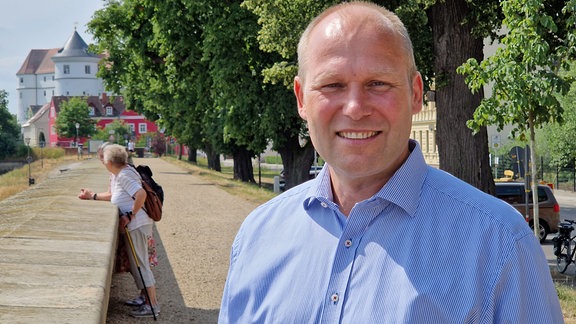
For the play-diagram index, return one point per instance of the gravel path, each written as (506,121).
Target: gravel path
(193,242)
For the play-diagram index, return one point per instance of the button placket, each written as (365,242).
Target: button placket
(334,298)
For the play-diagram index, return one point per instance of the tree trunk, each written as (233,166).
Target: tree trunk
(192,155)
(461,153)
(243,169)
(535,206)
(213,158)
(297,161)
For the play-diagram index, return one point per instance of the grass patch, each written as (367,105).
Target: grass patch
(16,180)
(567,296)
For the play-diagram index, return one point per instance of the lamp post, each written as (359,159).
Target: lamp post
(29,159)
(77,127)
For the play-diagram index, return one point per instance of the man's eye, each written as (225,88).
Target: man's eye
(379,85)
(333,85)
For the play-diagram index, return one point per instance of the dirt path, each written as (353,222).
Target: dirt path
(193,242)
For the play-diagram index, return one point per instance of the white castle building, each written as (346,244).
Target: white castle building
(67,71)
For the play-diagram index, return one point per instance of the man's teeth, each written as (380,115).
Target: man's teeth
(357,135)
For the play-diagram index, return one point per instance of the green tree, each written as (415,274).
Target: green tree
(117,131)
(524,77)
(195,66)
(560,139)
(154,60)
(74,111)
(9,129)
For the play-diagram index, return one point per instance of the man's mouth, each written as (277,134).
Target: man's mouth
(357,135)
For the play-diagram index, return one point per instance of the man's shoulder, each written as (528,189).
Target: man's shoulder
(280,207)
(460,196)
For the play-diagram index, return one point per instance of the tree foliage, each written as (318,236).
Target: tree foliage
(560,139)
(115,132)
(196,68)
(524,75)
(74,110)
(9,129)
(218,74)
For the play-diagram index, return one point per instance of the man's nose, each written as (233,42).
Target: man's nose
(356,106)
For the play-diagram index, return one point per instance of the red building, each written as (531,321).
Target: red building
(103,109)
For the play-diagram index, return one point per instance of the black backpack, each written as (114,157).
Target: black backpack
(154,193)
(146,175)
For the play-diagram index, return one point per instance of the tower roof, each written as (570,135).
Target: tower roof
(75,47)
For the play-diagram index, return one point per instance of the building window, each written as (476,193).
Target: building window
(92,112)
(66,69)
(87,69)
(109,111)
(131,126)
(44,93)
(44,79)
(52,78)
(21,80)
(142,128)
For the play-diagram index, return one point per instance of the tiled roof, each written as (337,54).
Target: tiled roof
(99,104)
(38,61)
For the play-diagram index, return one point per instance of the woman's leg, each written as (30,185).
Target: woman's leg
(140,238)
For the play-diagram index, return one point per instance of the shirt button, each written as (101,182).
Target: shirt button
(334,298)
(348,243)
(323,204)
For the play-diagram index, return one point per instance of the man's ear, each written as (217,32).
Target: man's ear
(299,92)
(417,93)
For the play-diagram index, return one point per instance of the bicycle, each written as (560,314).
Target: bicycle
(565,245)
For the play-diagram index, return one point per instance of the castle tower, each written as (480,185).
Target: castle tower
(68,71)
(75,69)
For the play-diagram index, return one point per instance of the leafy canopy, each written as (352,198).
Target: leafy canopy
(524,73)
(9,129)
(74,110)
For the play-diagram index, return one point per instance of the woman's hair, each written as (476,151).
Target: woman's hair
(115,154)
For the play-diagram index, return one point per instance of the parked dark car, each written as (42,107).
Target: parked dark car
(548,211)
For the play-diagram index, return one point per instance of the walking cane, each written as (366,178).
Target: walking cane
(139,271)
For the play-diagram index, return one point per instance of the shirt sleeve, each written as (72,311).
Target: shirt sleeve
(130,183)
(526,283)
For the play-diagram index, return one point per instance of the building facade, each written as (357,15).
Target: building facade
(49,77)
(424,131)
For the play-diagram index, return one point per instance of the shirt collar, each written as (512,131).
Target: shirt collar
(403,189)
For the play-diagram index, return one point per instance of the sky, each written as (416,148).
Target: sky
(37,24)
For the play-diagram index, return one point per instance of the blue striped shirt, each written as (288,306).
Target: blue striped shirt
(427,248)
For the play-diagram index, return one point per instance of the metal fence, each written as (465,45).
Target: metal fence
(560,177)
